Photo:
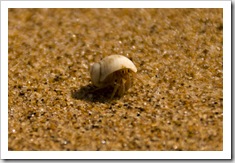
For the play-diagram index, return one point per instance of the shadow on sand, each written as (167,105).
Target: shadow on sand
(92,94)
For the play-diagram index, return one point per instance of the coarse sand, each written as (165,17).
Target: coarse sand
(176,102)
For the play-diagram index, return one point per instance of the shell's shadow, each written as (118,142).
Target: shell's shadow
(92,94)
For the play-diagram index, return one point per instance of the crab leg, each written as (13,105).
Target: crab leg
(123,86)
(115,90)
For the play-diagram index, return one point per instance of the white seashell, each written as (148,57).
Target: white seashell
(114,70)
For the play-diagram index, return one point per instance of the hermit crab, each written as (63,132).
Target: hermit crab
(116,71)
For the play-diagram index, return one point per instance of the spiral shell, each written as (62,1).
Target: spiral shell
(114,70)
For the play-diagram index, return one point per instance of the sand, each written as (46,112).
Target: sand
(175,103)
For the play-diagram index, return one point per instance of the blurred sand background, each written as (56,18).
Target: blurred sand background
(177,105)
